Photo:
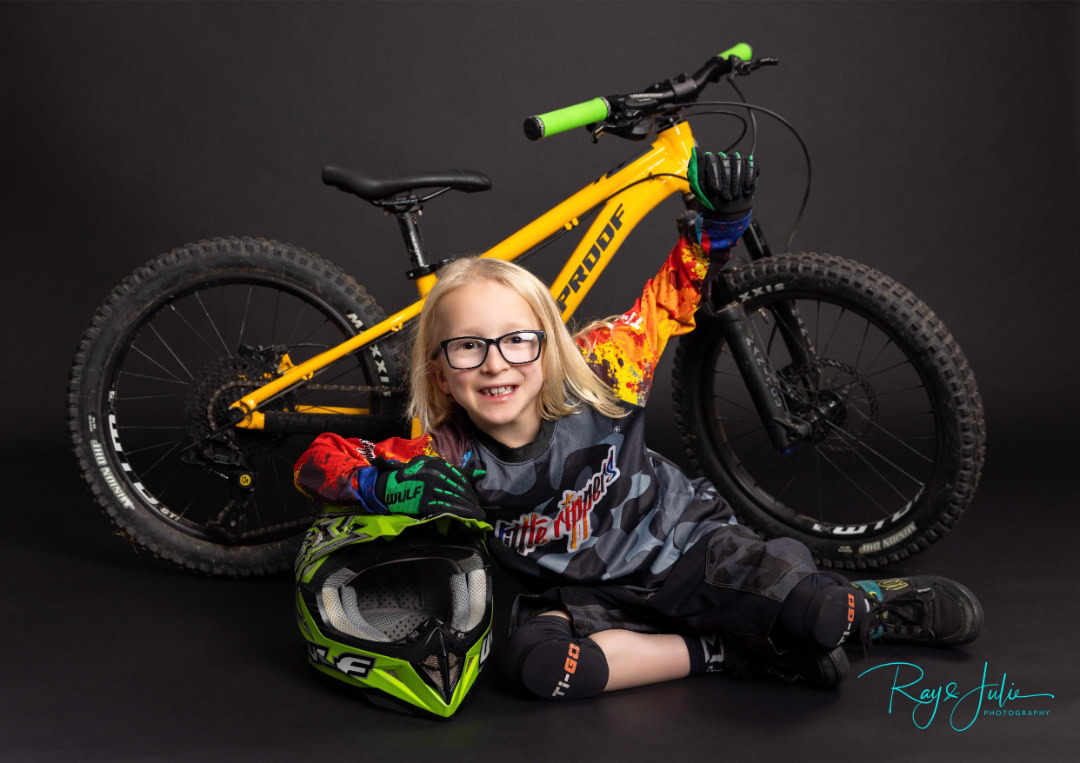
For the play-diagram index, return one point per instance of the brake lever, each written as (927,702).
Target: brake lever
(745,67)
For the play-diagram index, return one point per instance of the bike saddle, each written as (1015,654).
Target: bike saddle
(374,188)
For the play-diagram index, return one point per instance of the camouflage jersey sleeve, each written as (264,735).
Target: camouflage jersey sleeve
(625,354)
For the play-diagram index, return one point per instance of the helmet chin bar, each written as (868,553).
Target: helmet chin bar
(448,656)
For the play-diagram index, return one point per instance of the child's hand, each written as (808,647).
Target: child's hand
(424,486)
(723,184)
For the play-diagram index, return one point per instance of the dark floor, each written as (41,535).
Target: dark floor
(109,656)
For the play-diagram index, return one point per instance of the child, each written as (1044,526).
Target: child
(648,574)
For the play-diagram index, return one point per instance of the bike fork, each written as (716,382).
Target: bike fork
(751,358)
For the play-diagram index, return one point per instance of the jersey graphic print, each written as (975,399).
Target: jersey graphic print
(572,520)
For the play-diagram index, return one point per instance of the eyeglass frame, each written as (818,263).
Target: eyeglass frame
(487,346)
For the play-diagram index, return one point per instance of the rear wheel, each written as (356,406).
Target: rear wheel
(156,371)
(897,436)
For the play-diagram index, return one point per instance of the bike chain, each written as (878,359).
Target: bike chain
(359,388)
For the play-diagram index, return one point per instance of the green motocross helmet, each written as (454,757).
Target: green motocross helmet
(398,606)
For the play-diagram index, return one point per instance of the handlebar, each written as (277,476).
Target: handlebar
(678,90)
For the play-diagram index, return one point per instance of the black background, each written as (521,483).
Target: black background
(946,150)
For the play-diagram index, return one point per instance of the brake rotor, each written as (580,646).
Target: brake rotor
(829,404)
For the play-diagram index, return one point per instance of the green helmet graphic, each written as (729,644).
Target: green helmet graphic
(398,606)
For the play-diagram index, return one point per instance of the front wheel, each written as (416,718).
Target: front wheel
(158,368)
(896,433)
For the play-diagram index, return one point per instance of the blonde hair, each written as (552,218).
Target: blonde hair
(567,379)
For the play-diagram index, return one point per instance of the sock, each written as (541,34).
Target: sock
(706,652)
(823,607)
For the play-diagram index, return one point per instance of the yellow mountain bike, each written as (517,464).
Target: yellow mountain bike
(821,397)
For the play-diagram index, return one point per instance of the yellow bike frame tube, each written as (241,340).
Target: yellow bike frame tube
(669,153)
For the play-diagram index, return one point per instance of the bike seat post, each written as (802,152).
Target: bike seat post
(407,218)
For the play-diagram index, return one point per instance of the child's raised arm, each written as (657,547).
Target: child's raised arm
(624,353)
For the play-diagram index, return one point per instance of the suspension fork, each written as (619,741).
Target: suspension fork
(792,331)
(751,358)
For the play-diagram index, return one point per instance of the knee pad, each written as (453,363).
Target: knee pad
(823,607)
(545,658)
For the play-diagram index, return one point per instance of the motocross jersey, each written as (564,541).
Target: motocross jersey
(586,502)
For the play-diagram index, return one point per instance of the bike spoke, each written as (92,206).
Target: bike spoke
(168,483)
(195,330)
(224,311)
(729,400)
(163,368)
(243,321)
(903,362)
(893,436)
(183,512)
(880,352)
(833,332)
(883,477)
(853,482)
(170,349)
(292,330)
(273,326)
(729,440)
(155,378)
(898,391)
(784,489)
(817,325)
(212,324)
(161,458)
(150,447)
(858,441)
(305,336)
(862,344)
(146,397)
(817,481)
(281,494)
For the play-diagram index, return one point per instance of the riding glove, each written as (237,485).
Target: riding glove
(424,486)
(725,187)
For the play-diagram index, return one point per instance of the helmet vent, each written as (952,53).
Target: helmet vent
(431,667)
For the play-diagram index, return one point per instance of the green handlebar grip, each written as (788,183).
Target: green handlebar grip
(561,120)
(742,50)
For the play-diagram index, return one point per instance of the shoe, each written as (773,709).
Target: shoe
(925,609)
(823,668)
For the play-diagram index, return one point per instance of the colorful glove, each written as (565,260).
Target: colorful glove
(724,185)
(725,188)
(425,485)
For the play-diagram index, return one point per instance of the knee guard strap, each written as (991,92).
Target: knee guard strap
(545,658)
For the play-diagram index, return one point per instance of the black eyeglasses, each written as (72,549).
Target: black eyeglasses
(517,348)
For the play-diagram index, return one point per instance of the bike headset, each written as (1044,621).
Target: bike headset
(633,116)
(397,606)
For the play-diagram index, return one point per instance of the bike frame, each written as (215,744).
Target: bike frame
(625,208)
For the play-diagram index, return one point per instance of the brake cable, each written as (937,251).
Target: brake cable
(789,126)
